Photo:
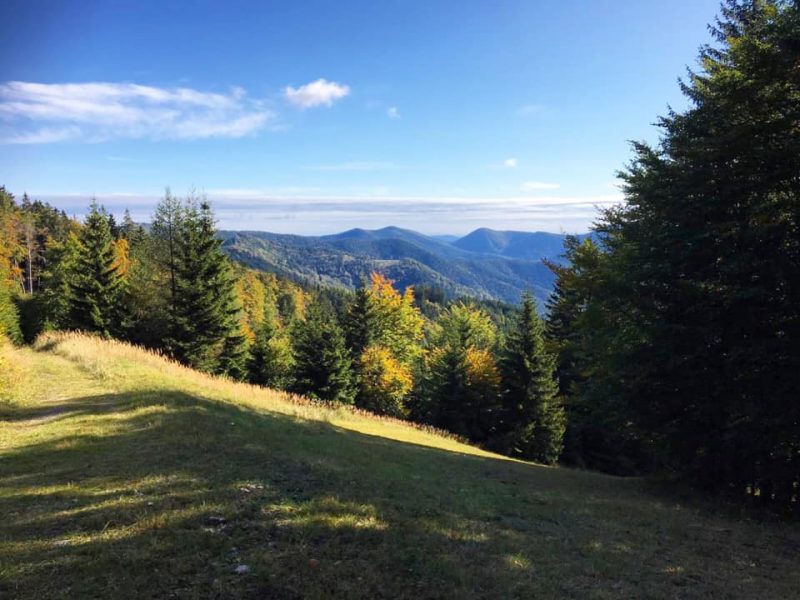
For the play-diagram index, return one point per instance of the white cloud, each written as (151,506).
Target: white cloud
(317,93)
(101,111)
(529,110)
(530,186)
(510,162)
(393,113)
(288,210)
(355,166)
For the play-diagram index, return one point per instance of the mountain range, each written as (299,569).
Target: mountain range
(485,264)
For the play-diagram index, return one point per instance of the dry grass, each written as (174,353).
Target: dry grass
(117,361)
(123,475)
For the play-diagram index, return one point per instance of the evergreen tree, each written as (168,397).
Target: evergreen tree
(459,385)
(271,361)
(59,280)
(131,231)
(166,232)
(323,369)
(360,324)
(383,329)
(96,290)
(703,264)
(206,332)
(534,419)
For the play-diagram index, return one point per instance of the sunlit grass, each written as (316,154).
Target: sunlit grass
(124,475)
(127,366)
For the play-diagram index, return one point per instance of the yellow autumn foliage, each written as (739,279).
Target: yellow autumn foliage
(385,381)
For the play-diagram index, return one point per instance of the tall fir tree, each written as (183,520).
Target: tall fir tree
(459,384)
(166,233)
(360,322)
(533,416)
(271,361)
(59,281)
(206,332)
(323,368)
(704,260)
(96,292)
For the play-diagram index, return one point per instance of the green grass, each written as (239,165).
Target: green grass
(125,476)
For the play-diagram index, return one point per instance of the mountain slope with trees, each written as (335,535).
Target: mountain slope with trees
(406,257)
(126,475)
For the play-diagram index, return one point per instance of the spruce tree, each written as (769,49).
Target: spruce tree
(703,306)
(360,322)
(131,231)
(270,358)
(533,416)
(206,332)
(459,384)
(96,289)
(166,234)
(59,281)
(323,368)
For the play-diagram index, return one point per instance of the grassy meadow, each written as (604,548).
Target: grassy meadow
(123,475)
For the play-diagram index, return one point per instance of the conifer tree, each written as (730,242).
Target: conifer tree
(96,290)
(166,233)
(206,331)
(270,358)
(131,231)
(383,329)
(59,280)
(323,368)
(360,322)
(702,301)
(533,416)
(458,389)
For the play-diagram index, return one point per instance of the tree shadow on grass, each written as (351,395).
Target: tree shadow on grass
(163,494)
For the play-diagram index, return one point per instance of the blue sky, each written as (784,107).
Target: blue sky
(314,117)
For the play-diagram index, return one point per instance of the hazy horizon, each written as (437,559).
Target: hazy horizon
(312,119)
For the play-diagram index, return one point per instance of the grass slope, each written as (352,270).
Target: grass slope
(125,476)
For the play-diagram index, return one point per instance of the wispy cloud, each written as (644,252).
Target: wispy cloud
(37,113)
(317,93)
(532,186)
(529,110)
(393,113)
(510,163)
(355,166)
(305,212)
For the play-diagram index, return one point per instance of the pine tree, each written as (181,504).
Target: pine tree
(323,368)
(131,231)
(533,416)
(271,360)
(96,290)
(206,332)
(59,280)
(459,385)
(166,233)
(360,323)
(703,263)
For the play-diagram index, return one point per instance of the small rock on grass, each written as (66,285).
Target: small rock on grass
(241,569)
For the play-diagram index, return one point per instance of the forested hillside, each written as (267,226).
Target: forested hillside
(457,365)
(406,257)
(670,344)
